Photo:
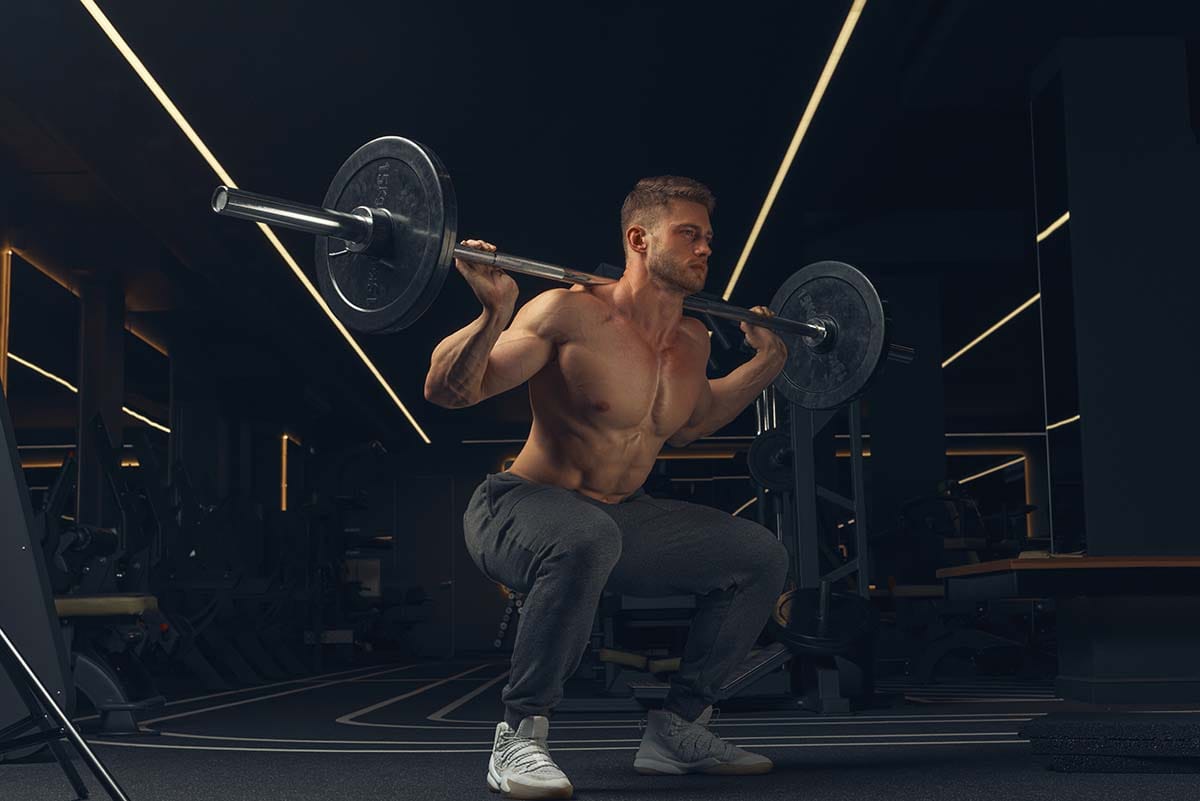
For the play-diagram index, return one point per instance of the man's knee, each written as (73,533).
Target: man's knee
(765,555)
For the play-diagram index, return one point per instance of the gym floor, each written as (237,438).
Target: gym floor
(424,729)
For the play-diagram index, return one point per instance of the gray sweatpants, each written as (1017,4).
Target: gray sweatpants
(562,548)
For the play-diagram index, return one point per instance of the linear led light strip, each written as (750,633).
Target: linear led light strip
(814,100)
(1054,226)
(991,470)
(1051,228)
(1062,423)
(745,506)
(226,179)
(57,379)
(283,469)
(51,464)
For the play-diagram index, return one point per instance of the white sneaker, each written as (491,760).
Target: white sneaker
(672,746)
(521,766)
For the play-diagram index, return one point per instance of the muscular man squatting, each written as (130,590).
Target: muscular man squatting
(614,371)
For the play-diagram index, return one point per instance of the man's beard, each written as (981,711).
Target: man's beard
(675,275)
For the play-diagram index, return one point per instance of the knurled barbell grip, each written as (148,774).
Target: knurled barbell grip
(518,264)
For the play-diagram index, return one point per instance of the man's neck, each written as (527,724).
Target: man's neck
(654,307)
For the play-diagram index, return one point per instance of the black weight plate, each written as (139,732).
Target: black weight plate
(770,460)
(851,620)
(826,380)
(382,292)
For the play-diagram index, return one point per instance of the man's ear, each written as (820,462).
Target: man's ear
(635,237)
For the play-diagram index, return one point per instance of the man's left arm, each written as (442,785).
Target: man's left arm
(723,399)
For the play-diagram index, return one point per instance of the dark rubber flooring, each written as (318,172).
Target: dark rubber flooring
(423,731)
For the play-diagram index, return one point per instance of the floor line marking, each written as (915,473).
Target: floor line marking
(813,719)
(255,688)
(561,743)
(165,746)
(722,724)
(349,719)
(448,708)
(244,701)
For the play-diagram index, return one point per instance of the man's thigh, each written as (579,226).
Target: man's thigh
(673,547)
(515,525)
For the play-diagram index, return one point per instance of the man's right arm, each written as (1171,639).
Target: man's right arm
(482,359)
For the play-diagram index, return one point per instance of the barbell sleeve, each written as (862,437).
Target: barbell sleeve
(355,228)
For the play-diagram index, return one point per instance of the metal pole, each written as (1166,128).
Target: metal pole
(69,731)
(861,545)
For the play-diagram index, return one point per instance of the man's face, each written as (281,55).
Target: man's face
(679,245)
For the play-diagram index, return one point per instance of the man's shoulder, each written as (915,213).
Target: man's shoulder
(695,330)
(562,310)
(565,300)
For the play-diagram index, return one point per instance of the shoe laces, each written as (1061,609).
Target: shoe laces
(524,754)
(695,741)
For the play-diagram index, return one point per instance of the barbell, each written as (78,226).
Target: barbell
(387,238)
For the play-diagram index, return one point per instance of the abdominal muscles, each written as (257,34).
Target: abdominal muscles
(601,420)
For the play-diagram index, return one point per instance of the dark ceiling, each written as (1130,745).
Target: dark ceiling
(918,161)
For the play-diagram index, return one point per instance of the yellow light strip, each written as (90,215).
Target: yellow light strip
(1062,423)
(58,279)
(320,301)
(55,464)
(145,419)
(283,473)
(745,506)
(156,90)
(1054,226)
(194,138)
(5,320)
(42,372)
(685,456)
(810,110)
(64,382)
(994,328)
(991,470)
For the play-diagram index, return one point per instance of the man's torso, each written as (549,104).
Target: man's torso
(609,399)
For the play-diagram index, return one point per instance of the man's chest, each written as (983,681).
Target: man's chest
(620,382)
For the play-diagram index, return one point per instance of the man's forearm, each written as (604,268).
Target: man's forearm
(736,391)
(460,360)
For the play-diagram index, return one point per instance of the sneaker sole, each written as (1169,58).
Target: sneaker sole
(656,767)
(525,792)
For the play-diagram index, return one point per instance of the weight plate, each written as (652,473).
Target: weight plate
(387,291)
(851,620)
(826,378)
(770,460)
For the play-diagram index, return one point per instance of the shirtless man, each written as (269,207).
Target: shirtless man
(614,372)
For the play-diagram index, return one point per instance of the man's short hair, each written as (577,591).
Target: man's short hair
(651,196)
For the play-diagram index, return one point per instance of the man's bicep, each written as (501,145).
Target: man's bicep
(516,357)
(524,348)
